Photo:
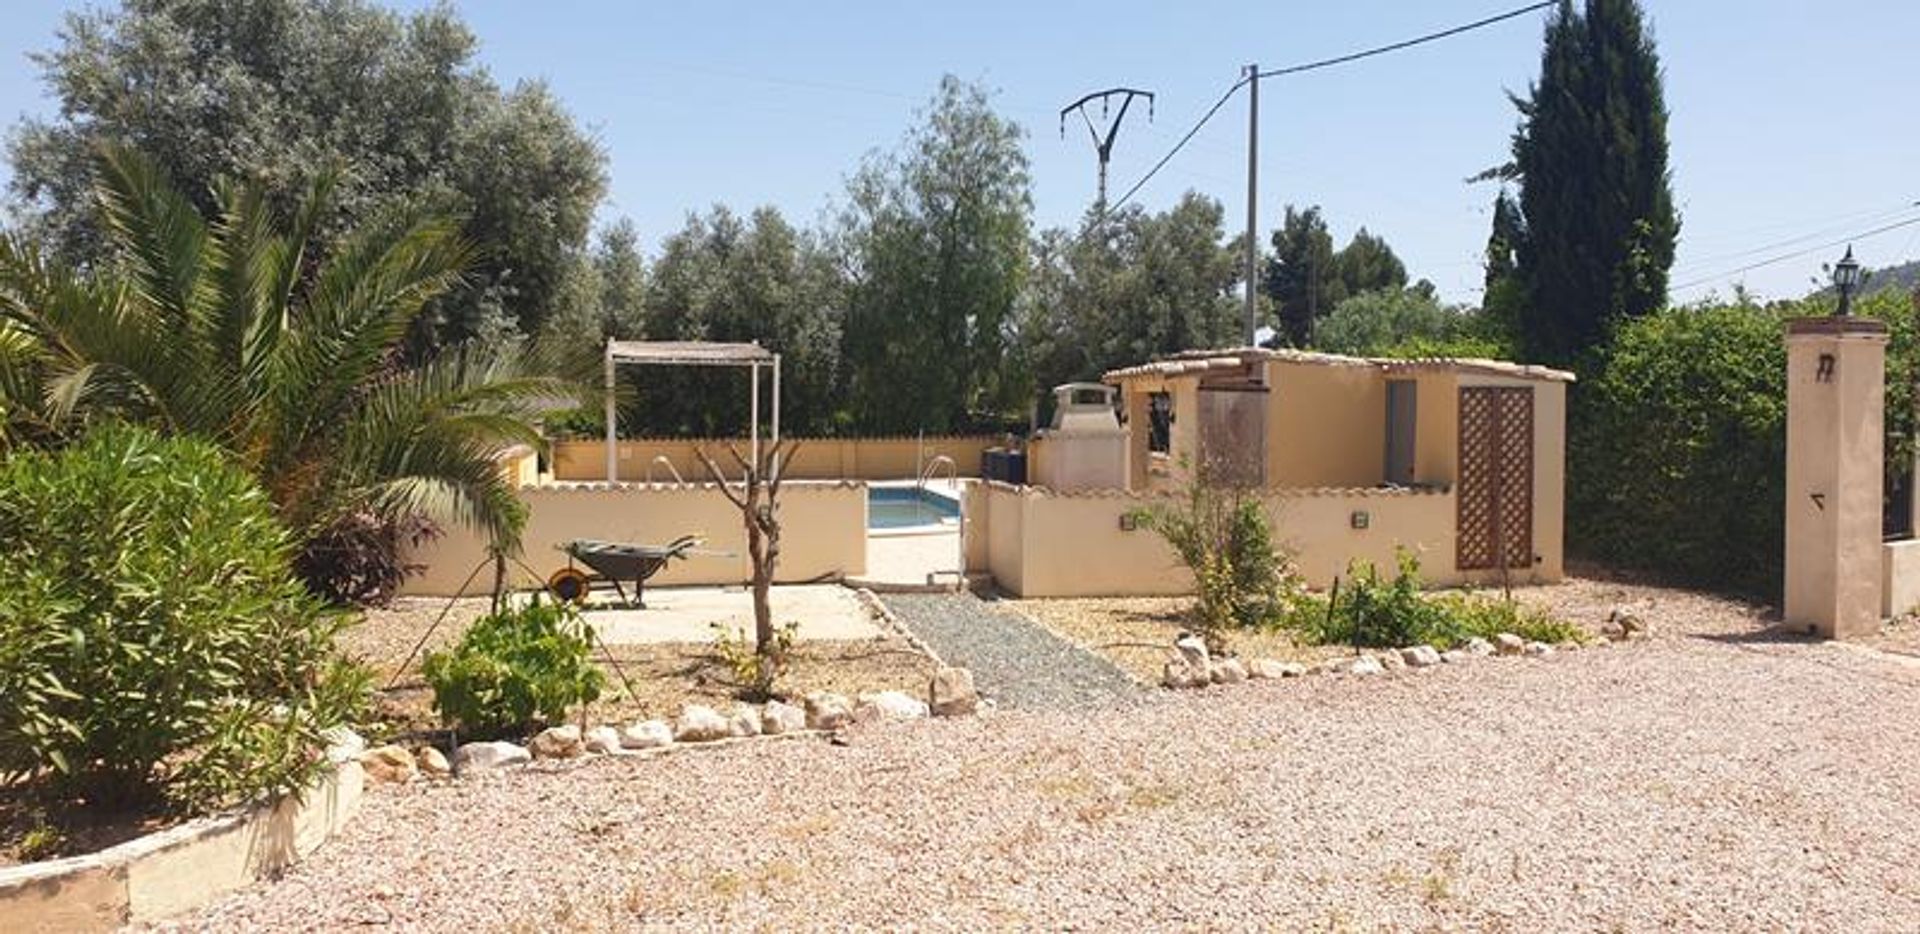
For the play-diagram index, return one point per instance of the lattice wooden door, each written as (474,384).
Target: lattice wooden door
(1495,516)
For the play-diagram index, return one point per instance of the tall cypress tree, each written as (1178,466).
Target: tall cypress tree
(1596,202)
(1505,294)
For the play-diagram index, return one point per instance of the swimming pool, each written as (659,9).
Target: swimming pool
(909,507)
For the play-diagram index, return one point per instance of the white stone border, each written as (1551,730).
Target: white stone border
(180,868)
(890,622)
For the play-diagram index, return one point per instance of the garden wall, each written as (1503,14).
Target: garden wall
(183,868)
(825,533)
(1040,543)
(815,459)
(1899,577)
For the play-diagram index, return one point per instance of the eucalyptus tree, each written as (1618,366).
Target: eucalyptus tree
(934,241)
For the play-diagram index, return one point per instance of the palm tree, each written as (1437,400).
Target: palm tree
(231,328)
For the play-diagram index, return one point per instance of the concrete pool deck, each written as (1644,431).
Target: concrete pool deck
(907,559)
(825,612)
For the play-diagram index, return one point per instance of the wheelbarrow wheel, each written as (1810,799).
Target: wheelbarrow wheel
(569,585)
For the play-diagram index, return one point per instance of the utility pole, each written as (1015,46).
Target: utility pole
(1103,143)
(1253,200)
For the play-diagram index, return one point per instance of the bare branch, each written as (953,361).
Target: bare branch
(783,451)
(741,459)
(720,479)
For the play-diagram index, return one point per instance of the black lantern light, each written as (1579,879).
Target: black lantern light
(1846,278)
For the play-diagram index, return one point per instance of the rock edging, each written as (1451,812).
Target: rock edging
(1190,665)
(950,693)
(184,867)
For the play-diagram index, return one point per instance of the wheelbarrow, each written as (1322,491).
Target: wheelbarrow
(609,563)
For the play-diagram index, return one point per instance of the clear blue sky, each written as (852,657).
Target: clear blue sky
(1791,121)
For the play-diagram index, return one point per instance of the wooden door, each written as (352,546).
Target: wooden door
(1402,415)
(1233,435)
(1495,494)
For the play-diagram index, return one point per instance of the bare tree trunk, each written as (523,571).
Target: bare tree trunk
(758,481)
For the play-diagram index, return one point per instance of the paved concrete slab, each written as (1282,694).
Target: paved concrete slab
(686,614)
(908,559)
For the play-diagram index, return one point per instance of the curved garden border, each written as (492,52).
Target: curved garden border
(184,867)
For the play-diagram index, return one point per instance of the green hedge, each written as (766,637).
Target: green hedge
(154,647)
(1677,454)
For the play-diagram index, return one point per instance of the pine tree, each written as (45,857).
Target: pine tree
(1368,264)
(1595,191)
(1301,277)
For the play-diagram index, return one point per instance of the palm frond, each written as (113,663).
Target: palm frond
(221,327)
(365,297)
(450,420)
(162,234)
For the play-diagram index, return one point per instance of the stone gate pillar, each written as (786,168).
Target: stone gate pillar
(1836,370)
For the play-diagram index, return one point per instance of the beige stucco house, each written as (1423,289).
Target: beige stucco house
(1462,462)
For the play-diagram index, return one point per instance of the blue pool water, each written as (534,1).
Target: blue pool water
(905,507)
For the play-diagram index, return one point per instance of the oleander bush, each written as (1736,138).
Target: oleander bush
(514,669)
(155,649)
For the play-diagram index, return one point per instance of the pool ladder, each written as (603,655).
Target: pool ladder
(662,459)
(953,479)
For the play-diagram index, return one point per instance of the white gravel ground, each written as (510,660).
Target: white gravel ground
(1706,780)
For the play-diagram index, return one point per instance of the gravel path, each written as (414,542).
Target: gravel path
(1708,779)
(1015,661)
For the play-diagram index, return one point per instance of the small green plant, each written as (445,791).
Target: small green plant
(514,668)
(1221,533)
(1373,611)
(1383,612)
(41,841)
(755,668)
(155,648)
(1484,617)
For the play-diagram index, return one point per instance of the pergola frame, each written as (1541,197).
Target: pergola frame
(691,353)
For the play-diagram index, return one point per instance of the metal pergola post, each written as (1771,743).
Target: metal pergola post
(776,415)
(691,353)
(613,444)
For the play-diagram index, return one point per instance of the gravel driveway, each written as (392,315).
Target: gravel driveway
(1705,780)
(1015,661)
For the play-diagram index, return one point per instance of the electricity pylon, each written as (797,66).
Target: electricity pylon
(1103,139)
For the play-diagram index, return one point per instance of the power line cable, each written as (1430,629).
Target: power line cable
(1296,69)
(1157,166)
(1704,280)
(1825,230)
(1407,43)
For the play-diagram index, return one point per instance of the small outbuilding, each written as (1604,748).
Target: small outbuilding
(1460,461)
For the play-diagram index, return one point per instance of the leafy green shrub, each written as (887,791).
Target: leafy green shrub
(1369,610)
(1484,617)
(1222,535)
(514,667)
(154,648)
(360,559)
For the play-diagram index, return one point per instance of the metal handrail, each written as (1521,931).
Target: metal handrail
(953,472)
(960,531)
(662,459)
